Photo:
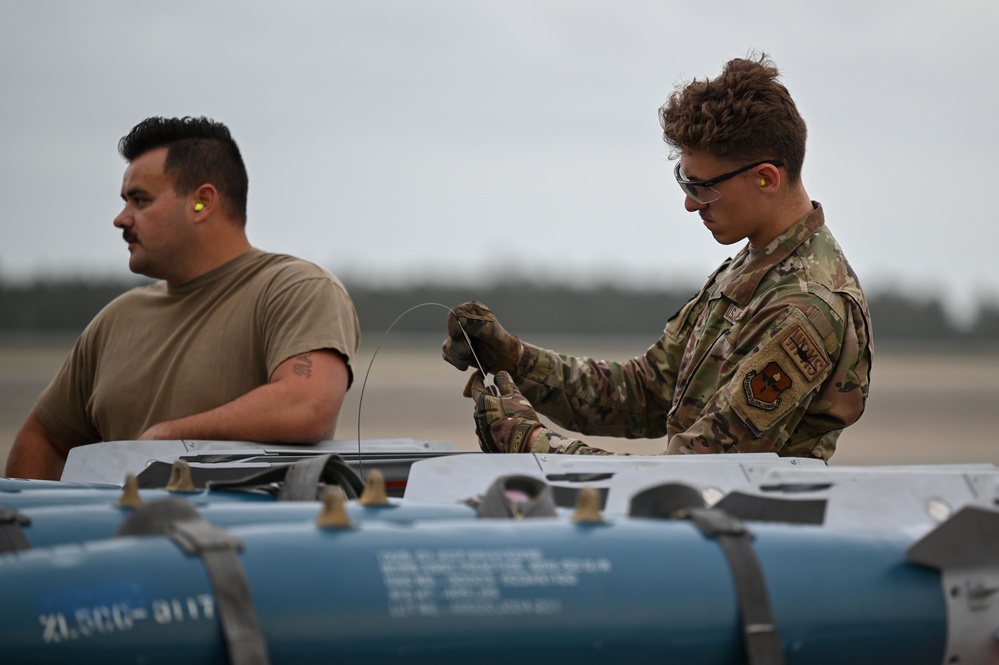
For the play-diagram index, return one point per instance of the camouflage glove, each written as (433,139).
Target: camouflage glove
(495,348)
(503,422)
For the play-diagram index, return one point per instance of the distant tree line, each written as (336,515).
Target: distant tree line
(66,305)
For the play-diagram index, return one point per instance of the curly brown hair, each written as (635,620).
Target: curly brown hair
(743,115)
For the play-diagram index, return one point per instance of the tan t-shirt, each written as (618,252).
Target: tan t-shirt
(160,352)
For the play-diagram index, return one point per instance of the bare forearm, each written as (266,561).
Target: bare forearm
(299,405)
(263,414)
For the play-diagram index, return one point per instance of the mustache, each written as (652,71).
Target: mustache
(129,236)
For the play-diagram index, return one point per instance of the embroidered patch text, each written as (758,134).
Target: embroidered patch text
(804,352)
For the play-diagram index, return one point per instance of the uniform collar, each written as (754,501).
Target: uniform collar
(744,285)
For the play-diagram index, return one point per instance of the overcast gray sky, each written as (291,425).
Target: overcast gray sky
(458,139)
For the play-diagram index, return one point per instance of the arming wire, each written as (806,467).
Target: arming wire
(360,400)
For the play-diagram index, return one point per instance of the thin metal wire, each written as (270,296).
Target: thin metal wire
(360,400)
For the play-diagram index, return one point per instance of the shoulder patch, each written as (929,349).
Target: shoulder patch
(805,351)
(789,363)
(763,388)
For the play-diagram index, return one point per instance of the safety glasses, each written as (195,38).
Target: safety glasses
(703,191)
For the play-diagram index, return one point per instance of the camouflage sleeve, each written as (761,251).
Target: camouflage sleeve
(841,399)
(596,397)
(801,379)
(553,443)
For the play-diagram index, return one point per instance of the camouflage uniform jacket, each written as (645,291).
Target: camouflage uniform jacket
(773,354)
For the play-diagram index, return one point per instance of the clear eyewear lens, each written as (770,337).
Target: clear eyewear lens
(699,193)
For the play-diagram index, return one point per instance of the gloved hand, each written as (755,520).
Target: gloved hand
(504,423)
(496,349)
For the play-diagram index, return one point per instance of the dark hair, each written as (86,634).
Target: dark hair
(199,151)
(743,115)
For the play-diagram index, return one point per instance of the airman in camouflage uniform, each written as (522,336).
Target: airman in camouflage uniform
(773,354)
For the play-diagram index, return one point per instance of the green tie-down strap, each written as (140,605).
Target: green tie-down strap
(304,480)
(12,538)
(763,645)
(219,551)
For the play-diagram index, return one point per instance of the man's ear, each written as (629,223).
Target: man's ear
(768,177)
(204,201)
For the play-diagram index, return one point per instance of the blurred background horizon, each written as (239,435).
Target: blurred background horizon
(469,144)
(455,142)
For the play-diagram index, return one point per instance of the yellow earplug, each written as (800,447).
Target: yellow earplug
(763,182)
(198,207)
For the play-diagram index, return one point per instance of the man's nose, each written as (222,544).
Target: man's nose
(693,206)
